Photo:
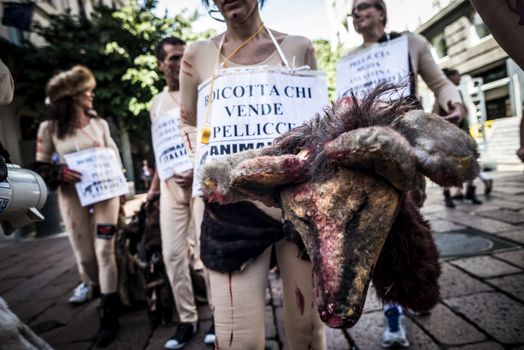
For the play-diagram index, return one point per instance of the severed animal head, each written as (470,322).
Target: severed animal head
(344,182)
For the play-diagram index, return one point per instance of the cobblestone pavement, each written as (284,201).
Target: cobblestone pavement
(482,287)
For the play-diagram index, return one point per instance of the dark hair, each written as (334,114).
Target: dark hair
(160,53)
(62,115)
(381,5)
(206,3)
(449,72)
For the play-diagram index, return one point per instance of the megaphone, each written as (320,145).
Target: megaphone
(22,195)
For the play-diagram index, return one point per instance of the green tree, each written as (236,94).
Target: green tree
(327,62)
(117,45)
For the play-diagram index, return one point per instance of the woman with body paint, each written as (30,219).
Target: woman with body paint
(237,239)
(73,126)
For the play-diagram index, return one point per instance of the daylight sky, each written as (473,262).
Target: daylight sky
(306,17)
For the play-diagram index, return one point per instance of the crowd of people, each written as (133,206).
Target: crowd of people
(211,237)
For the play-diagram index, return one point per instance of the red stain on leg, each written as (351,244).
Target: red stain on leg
(300,300)
(231,304)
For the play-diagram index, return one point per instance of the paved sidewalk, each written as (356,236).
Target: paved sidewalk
(482,286)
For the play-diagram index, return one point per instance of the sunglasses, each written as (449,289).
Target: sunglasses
(363,7)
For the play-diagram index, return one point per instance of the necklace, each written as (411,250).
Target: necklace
(206,130)
(239,47)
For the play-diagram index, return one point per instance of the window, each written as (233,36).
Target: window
(440,45)
(478,29)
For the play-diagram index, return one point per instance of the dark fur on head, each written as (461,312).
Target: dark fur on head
(342,116)
(407,269)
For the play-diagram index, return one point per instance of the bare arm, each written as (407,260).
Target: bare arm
(7,85)
(154,189)
(505,21)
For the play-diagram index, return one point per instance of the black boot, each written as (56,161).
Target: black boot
(109,312)
(448,200)
(470,194)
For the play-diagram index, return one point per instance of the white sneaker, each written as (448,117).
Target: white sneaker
(394,329)
(209,338)
(80,294)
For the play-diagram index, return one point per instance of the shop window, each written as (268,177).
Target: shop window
(493,74)
(498,108)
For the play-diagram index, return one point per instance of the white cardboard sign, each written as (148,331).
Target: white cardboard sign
(361,72)
(170,154)
(102,176)
(250,107)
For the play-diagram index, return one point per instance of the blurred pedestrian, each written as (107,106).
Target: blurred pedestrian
(74,126)
(147,174)
(369,20)
(237,239)
(454,76)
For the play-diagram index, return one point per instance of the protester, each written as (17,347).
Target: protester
(236,239)
(74,126)
(454,76)
(177,208)
(370,19)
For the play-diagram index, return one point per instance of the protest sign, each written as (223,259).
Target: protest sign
(102,176)
(170,154)
(252,106)
(386,62)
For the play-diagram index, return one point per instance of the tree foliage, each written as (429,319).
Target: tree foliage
(327,62)
(117,45)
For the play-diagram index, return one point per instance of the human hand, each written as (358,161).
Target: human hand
(520,153)
(69,175)
(456,112)
(151,194)
(185,179)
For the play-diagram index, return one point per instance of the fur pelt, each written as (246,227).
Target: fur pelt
(15,335)
(70,83)
(234,234)
(325,172)
(407,269)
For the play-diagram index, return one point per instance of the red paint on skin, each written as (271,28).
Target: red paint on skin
(231,304)
(187,73)
(186,63)
(300,300)
(216,197)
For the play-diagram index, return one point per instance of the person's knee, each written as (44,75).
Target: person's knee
(105,251)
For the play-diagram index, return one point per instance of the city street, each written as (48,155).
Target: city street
(482,286)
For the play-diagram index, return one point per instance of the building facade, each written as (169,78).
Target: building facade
(492,83)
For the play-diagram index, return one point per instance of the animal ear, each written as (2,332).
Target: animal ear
(444,153)
(379,149)
(260,178)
